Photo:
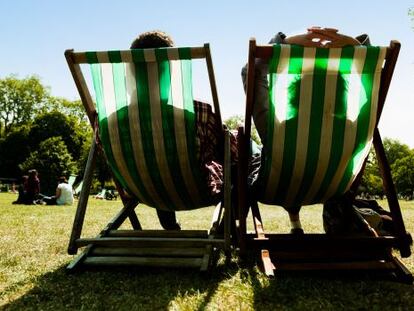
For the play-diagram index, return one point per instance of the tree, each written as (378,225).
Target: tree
(403,172)
(14,149)
(234,122)
(398,156)
(20,99)
(395,150)
(51,160)
(371,180)
(70,108)
(55,123)
(102,171)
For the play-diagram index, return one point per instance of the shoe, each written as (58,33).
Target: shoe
(297,231)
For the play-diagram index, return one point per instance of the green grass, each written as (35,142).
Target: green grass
(33,241)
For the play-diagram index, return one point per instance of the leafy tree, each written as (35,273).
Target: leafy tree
(20,99)
(371,180)
(395,150)
(51,160)
(70,108)
(403,171)
(55,123)
(102,172)
(234,122)
(14,149)
(398,156)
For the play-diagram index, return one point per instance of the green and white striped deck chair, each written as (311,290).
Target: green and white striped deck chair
(146,125)
(324,107)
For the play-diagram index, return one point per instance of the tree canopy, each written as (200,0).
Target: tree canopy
(20,100)
(52,160)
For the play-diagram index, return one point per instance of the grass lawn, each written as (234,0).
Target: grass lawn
(33,242)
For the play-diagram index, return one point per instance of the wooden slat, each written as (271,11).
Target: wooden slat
(266,51)
(313,237)
(402,272)
(78,261)
(357,265)
(337,254)
(205,262)
(267,263)
(148,251)
(159,233)
(148,242)
(120,218)
(213,85)
(143,261)
(311,241)
(81,86)
(386,75)
(80,57)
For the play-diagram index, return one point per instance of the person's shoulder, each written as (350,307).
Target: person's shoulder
(63,185)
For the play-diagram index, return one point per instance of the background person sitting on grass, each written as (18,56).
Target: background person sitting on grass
(64,194)
(22,197)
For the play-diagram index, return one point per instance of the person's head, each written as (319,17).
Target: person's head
(32,173)
(151,40)
(62,180)
(24,179)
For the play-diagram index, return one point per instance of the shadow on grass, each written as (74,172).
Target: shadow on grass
(123,289)
(328,291)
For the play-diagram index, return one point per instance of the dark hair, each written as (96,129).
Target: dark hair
(152,39)
(62,179)
(32,172)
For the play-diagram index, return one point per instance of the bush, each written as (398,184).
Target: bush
(51,160)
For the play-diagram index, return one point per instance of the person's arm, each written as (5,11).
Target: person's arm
(37,187)
(58,192)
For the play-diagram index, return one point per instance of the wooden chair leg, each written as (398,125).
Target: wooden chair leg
(242,192)
(227,194)
(83,199)
(405,239)
(136,225)
(119,219)
(403,274)
(260,234)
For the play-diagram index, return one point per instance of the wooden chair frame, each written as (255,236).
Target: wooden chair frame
(161,248)
(321,251)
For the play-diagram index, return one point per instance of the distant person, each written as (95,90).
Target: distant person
(63,196)
(32,187)
(21,190)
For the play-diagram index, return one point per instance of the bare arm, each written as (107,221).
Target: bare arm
(58,193)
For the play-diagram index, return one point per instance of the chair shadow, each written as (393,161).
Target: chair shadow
(327,291)
(122,289)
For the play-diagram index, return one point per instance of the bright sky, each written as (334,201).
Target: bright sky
(35,35)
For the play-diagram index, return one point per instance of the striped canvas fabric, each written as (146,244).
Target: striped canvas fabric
(322,115)
(147,124)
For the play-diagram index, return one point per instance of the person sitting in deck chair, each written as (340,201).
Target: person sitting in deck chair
(208,132)
(260,112)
